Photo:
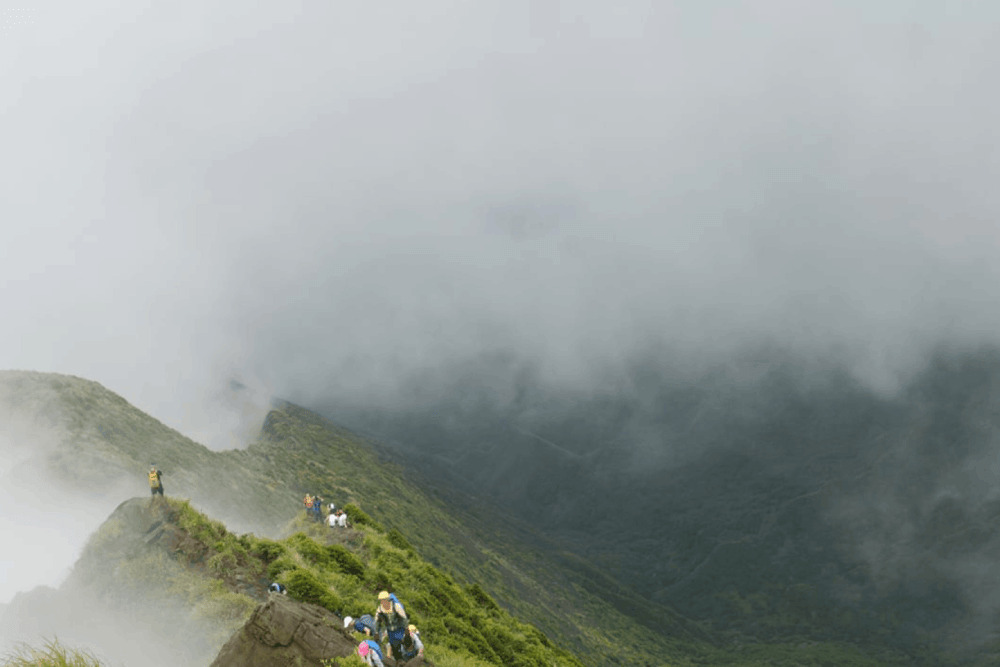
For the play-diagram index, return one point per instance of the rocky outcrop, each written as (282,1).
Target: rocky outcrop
(285,632)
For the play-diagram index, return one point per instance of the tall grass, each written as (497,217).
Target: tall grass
(52,654)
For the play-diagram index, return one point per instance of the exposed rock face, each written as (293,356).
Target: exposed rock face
(285,632)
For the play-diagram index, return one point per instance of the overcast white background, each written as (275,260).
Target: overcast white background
(320,198)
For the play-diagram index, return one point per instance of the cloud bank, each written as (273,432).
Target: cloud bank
(324,199)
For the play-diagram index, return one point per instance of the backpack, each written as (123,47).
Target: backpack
(408,647)
(392,596)
(154,478)
(365,621)
(373,645)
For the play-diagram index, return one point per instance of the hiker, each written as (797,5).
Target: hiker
(391,620)
(317,508)
(155,483)
(364,625)
(308,502)
(411,646)
(331,521)
(342,518)
(275,587)
(371,653)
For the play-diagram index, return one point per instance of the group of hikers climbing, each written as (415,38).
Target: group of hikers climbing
(389,623)
(314,509)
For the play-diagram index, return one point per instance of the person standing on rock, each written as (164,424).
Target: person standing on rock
(371,653)
(155,483)
(391,620)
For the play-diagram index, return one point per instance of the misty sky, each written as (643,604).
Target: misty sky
(321,198)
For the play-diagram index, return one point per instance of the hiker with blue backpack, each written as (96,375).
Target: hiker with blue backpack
(371,653)
(411,646)
(365,624)
(391,621)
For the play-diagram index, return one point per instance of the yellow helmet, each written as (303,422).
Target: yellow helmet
(384,595)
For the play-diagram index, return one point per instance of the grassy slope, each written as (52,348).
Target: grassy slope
(343,468)
(568,599)
(299,452)
(99,440)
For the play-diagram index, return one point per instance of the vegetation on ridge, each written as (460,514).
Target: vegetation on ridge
(342,570)
(462,569)
(51,654)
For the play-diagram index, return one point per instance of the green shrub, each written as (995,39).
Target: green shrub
(311,550)
(358,518)
(344,560)
(462,635)
(267,550)
(222,563)
(282,564)
(378,580)
(305,587)
(482,598)
(397,540)
(502,642)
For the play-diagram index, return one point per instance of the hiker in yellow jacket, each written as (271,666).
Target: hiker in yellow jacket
(155,483)
(390,621)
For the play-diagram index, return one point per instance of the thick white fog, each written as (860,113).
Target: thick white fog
(323,200)
(44,519)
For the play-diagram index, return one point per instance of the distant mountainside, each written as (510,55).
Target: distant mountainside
(77,440)
(74,439)
(769,497)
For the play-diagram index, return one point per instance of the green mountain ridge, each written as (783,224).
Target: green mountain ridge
(769,498)
(99,436)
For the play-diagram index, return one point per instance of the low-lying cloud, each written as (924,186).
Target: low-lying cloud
(325,199)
